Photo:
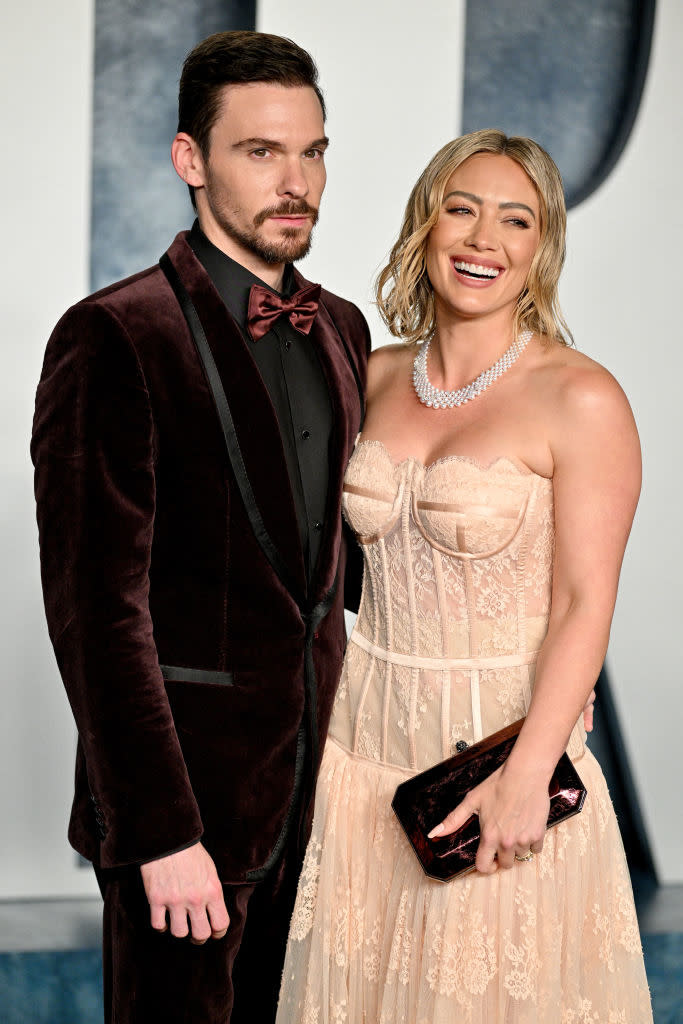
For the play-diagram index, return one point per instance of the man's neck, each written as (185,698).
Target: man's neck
(270,273)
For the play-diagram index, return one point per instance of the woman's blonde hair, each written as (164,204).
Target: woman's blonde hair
(404,293)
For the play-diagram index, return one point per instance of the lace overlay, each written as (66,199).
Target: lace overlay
(456,598)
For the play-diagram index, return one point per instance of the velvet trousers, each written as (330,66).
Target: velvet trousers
(151,976)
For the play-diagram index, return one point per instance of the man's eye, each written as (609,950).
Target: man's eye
(314,154)
(259,152)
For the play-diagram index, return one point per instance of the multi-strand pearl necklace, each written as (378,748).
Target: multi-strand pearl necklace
(435,398)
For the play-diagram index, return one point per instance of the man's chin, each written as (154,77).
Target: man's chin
(291,244)
(284,245)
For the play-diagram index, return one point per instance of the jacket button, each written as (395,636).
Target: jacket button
(461,745)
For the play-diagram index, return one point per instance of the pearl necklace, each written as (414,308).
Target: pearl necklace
(435,398)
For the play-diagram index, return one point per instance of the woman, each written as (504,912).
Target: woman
(493,521)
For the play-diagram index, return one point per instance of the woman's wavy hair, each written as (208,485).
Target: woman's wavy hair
(404,293)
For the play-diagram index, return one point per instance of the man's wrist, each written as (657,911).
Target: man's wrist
(169,853)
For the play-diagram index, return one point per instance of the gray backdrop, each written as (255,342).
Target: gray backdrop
(138,202)
(569,75)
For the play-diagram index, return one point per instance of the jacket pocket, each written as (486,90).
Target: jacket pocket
(179,674)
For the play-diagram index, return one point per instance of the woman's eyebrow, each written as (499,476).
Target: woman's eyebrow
(465,195)
(519,206)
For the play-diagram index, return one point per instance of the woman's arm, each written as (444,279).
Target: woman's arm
(596,482)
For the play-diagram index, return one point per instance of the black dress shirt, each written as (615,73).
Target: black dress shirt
(291,371)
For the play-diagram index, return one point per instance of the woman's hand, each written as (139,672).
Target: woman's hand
(513,814)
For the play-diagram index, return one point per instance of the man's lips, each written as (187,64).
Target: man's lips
(289,218)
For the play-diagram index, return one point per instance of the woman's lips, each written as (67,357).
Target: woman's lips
(475,274)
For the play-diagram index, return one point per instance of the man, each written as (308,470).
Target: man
(192,427)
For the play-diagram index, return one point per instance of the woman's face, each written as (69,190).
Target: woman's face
(481,248)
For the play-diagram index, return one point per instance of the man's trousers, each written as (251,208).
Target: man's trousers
(151,976)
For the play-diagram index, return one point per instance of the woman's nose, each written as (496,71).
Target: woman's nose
(483,234)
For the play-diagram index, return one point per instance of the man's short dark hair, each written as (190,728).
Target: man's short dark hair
(236,58)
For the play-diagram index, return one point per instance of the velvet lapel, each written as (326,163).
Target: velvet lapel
(252,410)
(346,414)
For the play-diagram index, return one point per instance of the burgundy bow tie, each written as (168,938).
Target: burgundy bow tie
(265,307)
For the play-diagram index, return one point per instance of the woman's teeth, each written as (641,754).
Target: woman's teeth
(475,269)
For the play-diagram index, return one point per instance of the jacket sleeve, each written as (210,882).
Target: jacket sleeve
(93,451)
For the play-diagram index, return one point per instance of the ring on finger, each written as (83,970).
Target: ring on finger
(526,858)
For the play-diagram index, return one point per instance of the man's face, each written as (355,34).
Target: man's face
(264,175)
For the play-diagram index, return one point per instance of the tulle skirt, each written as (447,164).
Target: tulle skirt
(374,941)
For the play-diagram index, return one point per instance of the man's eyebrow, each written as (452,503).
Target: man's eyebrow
(501,206)
(260,143)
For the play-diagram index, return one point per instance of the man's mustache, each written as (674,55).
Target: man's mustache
(291,209)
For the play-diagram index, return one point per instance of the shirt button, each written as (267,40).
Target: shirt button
(288,345)
(317,525)
(305,434)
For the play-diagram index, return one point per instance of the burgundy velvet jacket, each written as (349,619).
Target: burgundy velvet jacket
(148,558)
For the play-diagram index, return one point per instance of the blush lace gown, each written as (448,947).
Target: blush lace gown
(456,596)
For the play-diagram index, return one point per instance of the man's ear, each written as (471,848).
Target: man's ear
(187,160)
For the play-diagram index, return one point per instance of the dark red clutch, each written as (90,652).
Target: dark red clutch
(424,800)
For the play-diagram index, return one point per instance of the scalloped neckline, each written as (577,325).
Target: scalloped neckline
(470,459)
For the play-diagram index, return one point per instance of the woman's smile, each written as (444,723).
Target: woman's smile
(479,273)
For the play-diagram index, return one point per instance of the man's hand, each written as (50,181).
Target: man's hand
(588,712)
(186,885)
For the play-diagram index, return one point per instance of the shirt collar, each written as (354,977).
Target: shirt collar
(231,280)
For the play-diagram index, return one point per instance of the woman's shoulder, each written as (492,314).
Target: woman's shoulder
(573,378)
(583,399)
(388,362)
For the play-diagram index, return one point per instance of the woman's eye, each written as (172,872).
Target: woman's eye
(519,222)
(458,209)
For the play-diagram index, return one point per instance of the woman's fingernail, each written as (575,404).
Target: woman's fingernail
(436,831)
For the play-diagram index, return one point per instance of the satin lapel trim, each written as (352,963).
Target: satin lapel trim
(253,413)
(346,414)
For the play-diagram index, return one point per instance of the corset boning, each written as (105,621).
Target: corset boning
(455,605)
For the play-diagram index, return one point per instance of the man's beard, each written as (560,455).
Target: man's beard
(291,245)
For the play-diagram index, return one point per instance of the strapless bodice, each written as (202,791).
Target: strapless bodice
(471,544)
(455,604)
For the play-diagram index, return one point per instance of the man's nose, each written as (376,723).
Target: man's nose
(293,181)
